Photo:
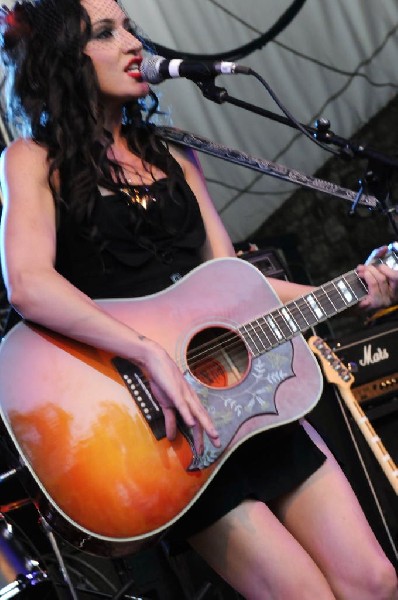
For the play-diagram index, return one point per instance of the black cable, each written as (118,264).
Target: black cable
(238,53)
(30,546)
(119,595)
(270,36)
(350,74)
(289,115)
(81,578)
(71,557)
(319,113)
(336,70)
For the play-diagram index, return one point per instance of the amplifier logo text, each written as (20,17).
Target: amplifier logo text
(370,357)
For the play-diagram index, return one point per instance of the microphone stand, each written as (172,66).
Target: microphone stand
(378,175)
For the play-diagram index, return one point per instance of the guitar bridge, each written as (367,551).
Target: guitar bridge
(134,380)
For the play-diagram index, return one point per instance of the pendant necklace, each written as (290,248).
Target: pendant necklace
(137,195)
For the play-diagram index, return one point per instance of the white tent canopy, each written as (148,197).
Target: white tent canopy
(336,59)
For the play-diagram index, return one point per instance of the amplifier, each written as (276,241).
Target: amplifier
(269,261)
(372,355)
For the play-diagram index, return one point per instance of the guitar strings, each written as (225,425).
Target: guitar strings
(233,343)
(230,340)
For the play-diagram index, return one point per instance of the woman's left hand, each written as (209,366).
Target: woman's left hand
(382,281)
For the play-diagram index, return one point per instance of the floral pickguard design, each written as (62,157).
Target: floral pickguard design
(230,408)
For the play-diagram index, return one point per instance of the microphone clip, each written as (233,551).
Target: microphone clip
(211,91)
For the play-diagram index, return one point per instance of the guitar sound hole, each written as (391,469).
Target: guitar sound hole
(218,357)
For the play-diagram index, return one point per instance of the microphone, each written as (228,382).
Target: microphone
(155,69)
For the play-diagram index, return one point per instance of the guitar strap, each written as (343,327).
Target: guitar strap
(267,167)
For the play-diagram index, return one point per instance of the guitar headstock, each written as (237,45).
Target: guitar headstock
(334,369)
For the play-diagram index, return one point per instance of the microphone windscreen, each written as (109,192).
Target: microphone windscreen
(150,69)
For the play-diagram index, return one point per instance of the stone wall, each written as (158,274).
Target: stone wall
(316,233)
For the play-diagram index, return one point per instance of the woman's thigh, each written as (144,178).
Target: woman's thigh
(258,557)
(325,517)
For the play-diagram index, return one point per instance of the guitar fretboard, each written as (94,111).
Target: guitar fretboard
(285,322)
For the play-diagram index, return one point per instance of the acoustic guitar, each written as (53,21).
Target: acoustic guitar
(90,432)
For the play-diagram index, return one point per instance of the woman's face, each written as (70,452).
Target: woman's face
(114,51)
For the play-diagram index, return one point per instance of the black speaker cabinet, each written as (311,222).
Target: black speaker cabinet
(270,261)
(373,356)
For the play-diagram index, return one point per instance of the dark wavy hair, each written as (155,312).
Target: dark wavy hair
(52,92)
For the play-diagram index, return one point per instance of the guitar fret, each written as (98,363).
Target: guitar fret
(282,320)
(329,306)
(277,322)
(289,319)
(260,337)
(264,333)
(274,327)
(249,342)
(250,339)
(336,294)
(315,305)
(307,307)
(326,301)
(358,286)
(299,315)
(272,338)
(345,291)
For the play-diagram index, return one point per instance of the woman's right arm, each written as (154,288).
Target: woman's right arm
(40,294)
(35,289)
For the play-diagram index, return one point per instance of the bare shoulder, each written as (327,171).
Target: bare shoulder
(25,157)
(24,171)
(186,157)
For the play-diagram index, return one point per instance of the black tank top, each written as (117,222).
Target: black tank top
(137,251)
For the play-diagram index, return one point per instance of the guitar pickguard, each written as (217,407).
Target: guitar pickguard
(255,395)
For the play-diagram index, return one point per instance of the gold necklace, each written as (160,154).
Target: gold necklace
(135,195)
(133,190)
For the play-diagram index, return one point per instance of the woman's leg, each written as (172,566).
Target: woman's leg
(259,558)
(325,517)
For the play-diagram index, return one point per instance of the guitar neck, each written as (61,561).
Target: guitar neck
(285,322)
